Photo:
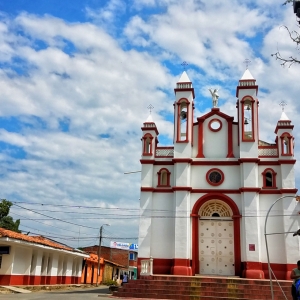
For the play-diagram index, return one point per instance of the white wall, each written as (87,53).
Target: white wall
(163,226)
(231,174)
(7,260)
(22,260)
(215,144)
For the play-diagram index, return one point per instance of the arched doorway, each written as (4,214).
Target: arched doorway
(216,242)
(216,236)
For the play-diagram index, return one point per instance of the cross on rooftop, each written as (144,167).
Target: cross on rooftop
(184,64)
(282,104)
(150,107)
(247,62)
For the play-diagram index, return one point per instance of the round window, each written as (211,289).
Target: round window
(215,125)
(215,176)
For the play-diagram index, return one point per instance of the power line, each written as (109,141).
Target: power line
(123,209)
(143,217)
(47,224)
(102,208)
(55,218)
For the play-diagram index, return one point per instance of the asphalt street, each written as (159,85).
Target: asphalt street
(100,293)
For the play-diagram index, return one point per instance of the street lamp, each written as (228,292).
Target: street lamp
(99,252)
(266,241)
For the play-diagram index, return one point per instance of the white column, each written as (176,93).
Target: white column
(69,266)
(145,225)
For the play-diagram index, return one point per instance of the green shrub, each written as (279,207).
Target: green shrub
(110,282)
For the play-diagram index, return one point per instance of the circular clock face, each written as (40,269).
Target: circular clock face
(215,177)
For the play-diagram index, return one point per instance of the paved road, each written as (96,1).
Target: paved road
(99,293)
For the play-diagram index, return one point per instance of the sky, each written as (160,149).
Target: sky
(76,78)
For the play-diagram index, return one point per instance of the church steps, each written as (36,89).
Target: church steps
(194,288)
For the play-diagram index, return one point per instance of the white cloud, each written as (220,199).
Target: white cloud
(78,92)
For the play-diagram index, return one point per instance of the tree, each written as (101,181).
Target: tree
(7,221)
(295,37)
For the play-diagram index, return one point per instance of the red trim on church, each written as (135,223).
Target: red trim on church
(250,189)
(230,139)
(287,161)
(147,161)
(248,160)
(160,180)
(288,191)
(222,191)
(245,88)
(185,90)
(216,163)
(150,128)
(182,188)
(147,189)
(253,129)
(163,163)
(215,120)
(208,179)
(200,138)
(179,124)
(271,179)
(182,160)
(268,163)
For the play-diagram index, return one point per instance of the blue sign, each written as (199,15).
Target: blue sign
(134,247)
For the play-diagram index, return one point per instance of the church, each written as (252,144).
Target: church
(204,200)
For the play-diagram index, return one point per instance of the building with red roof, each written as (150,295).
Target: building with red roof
(36,260)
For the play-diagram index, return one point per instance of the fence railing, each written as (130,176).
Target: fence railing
(164,152)
(147,267)
(268,151)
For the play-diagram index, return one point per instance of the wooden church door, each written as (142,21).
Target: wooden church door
(216,239)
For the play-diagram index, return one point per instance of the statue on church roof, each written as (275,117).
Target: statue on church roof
(215,96)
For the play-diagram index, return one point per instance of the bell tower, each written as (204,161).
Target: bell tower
(183,117)
(247,105)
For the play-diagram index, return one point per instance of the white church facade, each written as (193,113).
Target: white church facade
(204,200)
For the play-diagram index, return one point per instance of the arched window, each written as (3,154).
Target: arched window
(248,120)
(147,144)
(182,120)
(286,144)
(163,178)
(269,179)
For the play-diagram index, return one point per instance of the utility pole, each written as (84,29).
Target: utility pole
(99,252)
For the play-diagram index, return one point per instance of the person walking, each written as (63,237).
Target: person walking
(125,278)
(295,275)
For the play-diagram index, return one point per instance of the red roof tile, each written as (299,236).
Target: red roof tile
(92,258)
(33,239)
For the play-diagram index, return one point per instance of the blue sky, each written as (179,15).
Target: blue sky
(76,78)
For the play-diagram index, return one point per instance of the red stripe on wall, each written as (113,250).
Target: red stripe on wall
(37,280)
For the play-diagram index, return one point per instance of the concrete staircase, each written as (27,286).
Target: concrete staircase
(201,288)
